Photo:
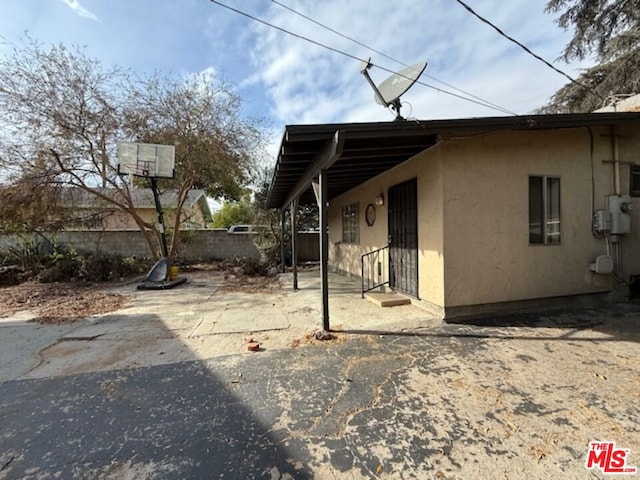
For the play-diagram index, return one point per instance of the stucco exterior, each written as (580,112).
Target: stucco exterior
(92,213)
(473,215)
(192,218)
(427,167)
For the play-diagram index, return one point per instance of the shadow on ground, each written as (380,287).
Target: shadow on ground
(617,321)
(602,323)
(170,421)
(475,400)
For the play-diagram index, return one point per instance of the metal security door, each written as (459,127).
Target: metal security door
(403,237)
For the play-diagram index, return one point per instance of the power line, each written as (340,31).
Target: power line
(498,107)
(525,48)
(240,12)
(353,57)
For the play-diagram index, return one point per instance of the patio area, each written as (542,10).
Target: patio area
(197,320)
(168,385)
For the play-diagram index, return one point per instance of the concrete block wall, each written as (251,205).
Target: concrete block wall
(216,244)
(308,245)
(197,245)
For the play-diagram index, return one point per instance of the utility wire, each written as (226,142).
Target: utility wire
(353,57)
(382,54)
(286,31)
(525,48)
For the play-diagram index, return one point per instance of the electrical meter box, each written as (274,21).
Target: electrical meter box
(620,208)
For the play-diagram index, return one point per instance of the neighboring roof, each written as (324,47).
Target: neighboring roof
(142,198)
(624,104)
(372,148)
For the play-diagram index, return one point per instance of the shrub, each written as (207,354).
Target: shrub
(253,267)
(59,267)
(64,267)
(98,268)
(27,256)
(249,266)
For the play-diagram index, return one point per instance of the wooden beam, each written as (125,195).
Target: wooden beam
(326,157)
(316,189)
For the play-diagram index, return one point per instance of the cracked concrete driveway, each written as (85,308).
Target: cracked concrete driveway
(156,393)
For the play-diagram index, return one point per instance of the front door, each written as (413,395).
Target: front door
(403,237)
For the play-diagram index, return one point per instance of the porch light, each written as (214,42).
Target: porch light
(379,201)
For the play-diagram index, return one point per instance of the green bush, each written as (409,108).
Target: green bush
(69,266)
(26,256)
(98,268)
(128,266)
(59,267)
(252,267)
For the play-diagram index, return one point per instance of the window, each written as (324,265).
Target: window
(544,210)
(634,187)
(351,223)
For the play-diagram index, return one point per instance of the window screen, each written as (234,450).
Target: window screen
(351,224)
(544,210)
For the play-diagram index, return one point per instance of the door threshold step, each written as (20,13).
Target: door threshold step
(387,299)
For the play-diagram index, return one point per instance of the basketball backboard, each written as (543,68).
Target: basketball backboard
(146,159)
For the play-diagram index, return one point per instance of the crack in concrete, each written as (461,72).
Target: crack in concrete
(7,463)
(344,407)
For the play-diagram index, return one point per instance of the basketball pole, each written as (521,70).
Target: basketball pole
(156,198)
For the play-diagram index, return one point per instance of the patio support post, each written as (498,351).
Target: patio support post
(294,234)
(324,159)
(324,249)
(282,232)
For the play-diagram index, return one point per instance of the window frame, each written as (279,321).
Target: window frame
(351,223)
(546,211)
(634,189)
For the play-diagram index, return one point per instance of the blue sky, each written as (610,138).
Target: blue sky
(289,81)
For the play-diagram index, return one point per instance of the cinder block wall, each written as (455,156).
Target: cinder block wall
(197,245)
(217,244)
(308,246)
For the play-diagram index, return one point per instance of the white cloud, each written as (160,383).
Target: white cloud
(80,10)
(285,80)
(203,79)
(308,84)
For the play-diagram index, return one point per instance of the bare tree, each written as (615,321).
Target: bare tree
(62,114)
(214,147)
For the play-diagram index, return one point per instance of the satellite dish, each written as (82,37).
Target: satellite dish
(388,93)
(398,83)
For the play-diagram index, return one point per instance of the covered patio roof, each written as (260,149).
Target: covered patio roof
(353,153)
(369,149)
(316,163)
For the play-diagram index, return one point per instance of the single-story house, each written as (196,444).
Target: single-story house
(93,213)
(472,215)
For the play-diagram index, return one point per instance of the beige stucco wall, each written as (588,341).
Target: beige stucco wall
(473,215)
(486,230)
(427,168)
(117,220)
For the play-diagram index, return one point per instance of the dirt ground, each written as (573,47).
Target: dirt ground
(59,303)
(395,394)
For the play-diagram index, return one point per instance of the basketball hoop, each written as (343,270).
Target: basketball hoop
(150,161)
(146,160)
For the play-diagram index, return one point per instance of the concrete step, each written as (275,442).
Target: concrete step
(390,299)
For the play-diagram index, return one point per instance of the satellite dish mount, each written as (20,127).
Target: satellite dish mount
(388,93)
